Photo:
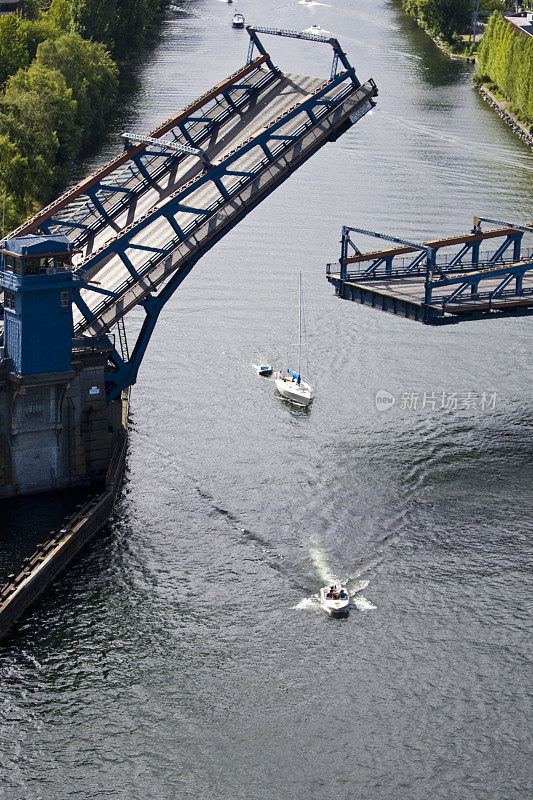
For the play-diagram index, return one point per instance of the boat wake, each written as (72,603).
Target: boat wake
(307,603)
(355,585)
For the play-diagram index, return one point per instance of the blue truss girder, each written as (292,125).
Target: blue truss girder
(373,267)
(129,266)
(154,304)
(501,250)
(175,202)
(458,257)
(241,210)
(166,159)
(471,281)
(415,263)
(46,226)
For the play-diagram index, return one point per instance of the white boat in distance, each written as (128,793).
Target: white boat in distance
(238,20)
(291,386)
(335,599)
(263,369)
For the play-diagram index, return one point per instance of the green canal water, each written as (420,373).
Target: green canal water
(184,655)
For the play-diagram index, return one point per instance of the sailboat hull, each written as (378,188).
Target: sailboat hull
(299,393)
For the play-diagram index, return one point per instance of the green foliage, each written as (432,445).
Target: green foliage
(89,72)
(59,13)
(119,24)
(444,18)
(19,39)
(489,6)
(58,80)
(505,57)
(13,51)
(39,112)
(39,135)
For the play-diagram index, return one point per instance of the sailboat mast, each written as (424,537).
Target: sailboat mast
(299,324)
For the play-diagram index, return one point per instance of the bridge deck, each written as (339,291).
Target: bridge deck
(130,248)
(170,171)
(405,297)
(274,100)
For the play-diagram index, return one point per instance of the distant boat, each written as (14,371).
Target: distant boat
(263,369)
(316,30)
(335,600)
(238,20)
(291,386)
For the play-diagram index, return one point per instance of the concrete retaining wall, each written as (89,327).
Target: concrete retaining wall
(52,557)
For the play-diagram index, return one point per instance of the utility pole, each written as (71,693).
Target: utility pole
(475,15)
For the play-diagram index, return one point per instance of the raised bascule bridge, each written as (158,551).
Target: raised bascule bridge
(127,236)
(124,237)
(440,281)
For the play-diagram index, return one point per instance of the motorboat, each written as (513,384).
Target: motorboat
(238,20)
(335,599)
(290,385)
(316,30)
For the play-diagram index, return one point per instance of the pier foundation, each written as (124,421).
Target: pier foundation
(56,430)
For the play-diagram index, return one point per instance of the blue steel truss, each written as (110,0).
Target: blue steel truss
(338,52)
(146,166)
(329,110)
(478,288)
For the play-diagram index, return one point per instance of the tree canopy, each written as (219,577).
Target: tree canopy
(58,79)
(444,18)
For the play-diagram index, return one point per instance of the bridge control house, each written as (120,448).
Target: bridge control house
(36,276)
(55,428)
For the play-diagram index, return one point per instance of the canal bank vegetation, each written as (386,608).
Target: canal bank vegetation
(449,22)
(59,78)
(505,68)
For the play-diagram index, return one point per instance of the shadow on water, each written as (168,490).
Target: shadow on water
(26,521)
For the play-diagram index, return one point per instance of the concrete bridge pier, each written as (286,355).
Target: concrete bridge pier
(56,430)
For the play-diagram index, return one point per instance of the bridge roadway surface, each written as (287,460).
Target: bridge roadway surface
(401,294)
(131,232)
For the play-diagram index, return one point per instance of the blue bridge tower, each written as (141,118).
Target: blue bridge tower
(36,277)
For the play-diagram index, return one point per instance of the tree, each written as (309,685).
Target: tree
(39,115)
(13,51)
(445,18)
(505,58)
(96,19)
(90,72)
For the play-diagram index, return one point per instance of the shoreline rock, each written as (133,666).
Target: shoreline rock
(506,115)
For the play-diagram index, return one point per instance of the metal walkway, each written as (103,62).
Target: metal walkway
(143,221)
(441,281)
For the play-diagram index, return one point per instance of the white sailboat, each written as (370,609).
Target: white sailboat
(291,386)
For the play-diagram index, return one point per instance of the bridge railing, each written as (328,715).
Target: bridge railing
(276,146)
(402,266)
